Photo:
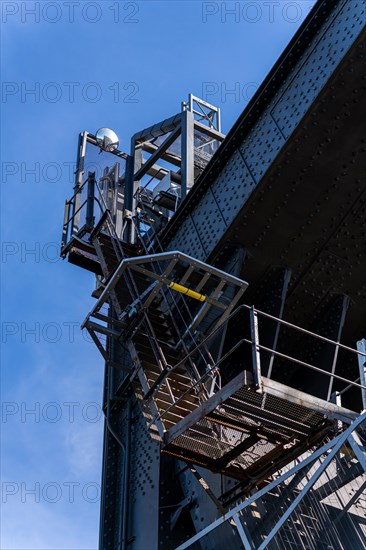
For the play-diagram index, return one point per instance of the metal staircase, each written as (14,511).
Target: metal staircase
(309,504)
(222,385)
(172,313)
(172,374)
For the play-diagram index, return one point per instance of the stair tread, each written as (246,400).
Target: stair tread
(192,402)
(175,413)
(145,353)
(178,374)
(176,381)
(162,396)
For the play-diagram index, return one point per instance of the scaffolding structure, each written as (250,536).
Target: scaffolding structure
(235,385)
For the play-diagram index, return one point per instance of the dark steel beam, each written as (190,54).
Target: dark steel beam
(158,153)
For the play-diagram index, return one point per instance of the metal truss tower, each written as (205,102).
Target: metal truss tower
(231,309)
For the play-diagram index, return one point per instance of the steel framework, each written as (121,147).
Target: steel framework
(230,301)
(325,459)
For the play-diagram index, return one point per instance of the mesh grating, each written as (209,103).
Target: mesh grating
(245,429)
(331,515)
(214,442)
(278,414)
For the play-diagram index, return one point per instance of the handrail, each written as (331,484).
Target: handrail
(139,189)
(78,190)
(67,224)
(260,347)
(80,207)
(349,386)
(313,367)
(200,381)
(305,331)
(201,347)
(116,243)
(71,201)
(172,296)
(111,227)
(103,208)
(203,343)
(328,450)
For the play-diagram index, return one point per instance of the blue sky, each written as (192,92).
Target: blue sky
(68,67)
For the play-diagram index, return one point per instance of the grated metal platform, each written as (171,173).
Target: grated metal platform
(248,434)
(247,427)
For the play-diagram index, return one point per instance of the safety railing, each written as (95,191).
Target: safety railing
(81,217)
(198,359)
(111,226)
(180,315)
(206,372)
(303,490)
(196,348)
(177,308)
(257,350)
(145,227)
(80,207)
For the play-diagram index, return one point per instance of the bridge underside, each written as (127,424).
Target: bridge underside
(308,211)
(306,214)
(282,206)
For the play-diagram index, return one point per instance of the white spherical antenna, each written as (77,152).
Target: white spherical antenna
(107,139)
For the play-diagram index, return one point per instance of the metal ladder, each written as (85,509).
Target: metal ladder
(168,310)
(158,331)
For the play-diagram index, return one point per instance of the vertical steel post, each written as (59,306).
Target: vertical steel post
(78,182)
(361,346)
(118,224)
(126,480)
(336,398)
(106,435)
(255,348)
(65,228)
(187,170)
(133,164)
(345,305)
(89,219)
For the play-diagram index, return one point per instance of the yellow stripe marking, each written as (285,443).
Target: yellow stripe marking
(187,291)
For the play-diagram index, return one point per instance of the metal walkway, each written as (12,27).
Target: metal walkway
(197,381)
(172,312)
(310,513)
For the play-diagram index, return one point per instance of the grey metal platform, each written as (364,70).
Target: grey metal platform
(281,205)
(246,428)
(287,185)
(248,434)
